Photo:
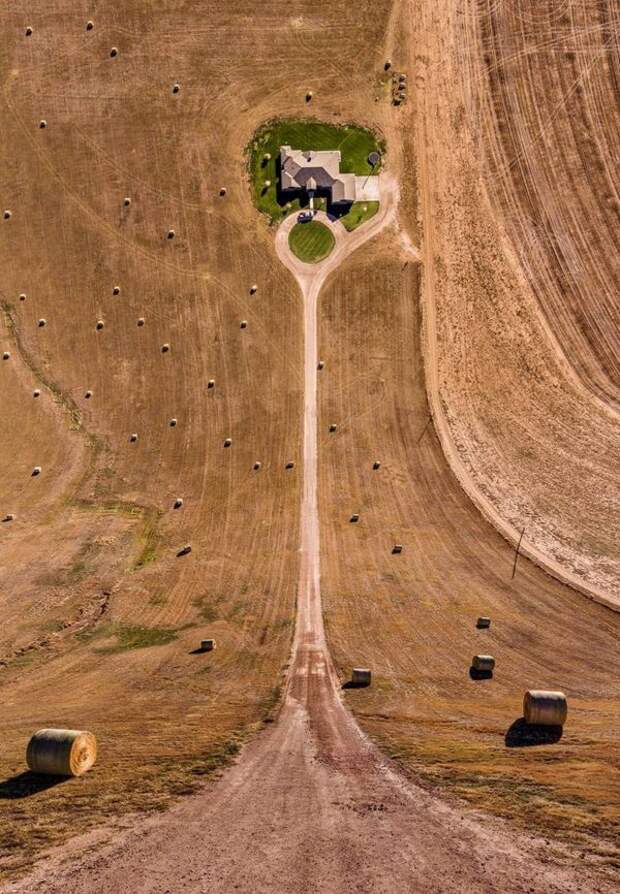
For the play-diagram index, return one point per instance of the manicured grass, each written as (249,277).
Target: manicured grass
(360,212)
(311,241)
(354,143)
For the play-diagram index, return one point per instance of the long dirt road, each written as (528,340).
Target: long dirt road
(310,804)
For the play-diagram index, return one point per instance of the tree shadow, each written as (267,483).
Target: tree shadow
(480,674)
(521,734)
(26,784)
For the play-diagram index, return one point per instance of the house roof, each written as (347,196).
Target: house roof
(321,168)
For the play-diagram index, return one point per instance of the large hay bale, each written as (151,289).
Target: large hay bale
(61,752)
(360,676)
(483,662)
(545,708)
(482,623)
(207,645)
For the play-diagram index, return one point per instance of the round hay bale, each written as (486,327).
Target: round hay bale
(320,364)
(165,348)
(7,214)
(140,321)
(177,503)
(482,623)
(333,427)
(36,392)
(6,355)
(114,52)
(41,323)
(309,95)
(256,466)
(253,289)
(228,442)
(133,437)
(397,549)
(211,383)
(402,78)
(222,190)
(100,324)
(90,25)
(387,64)
(355,517)
(170,234)
(8,517)
(28,30)
(267,156)
(544,708)
(244,324)
(88,394)
(36,471)
(172,422)
(61,752)
(116,290)
(361,676)
(22,297)
(42,124)
(290,465)
(127,201)
(376,465)
(207,645)
(267,183)
(483,662)
(176,88)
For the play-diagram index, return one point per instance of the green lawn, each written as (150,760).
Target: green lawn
(311,241)
(354,143)
(360,212)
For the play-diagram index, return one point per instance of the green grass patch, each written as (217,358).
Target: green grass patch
(128,637)
(311,241)
(360,212)
(355,145)
(207,610)
(148,539)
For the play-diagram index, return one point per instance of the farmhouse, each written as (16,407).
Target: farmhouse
(314,170)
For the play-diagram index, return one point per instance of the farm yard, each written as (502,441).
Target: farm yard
(226,482)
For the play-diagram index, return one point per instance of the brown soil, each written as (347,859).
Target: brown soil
(512,353)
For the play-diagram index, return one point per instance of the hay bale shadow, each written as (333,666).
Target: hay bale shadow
(522,735)
(26,784)
(351,685)
(480,674)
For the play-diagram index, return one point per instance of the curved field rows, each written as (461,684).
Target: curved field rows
(101,616)
(542,98)
(411,617)
(532,445)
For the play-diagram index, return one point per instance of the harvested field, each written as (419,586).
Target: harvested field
(469,366)
(511,354)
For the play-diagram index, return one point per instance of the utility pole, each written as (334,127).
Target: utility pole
(514,566)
